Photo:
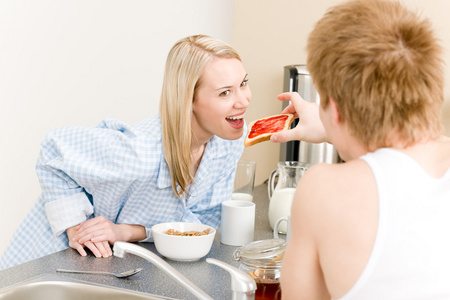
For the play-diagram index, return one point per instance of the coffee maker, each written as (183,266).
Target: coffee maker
(297,79)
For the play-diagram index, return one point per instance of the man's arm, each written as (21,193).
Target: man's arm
(301,276)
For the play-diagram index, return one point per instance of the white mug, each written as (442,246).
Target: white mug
(237,224)
(287,219)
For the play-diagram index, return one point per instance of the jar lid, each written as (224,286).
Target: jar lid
(264,253)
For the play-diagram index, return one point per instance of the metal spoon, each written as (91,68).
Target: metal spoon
(118,275)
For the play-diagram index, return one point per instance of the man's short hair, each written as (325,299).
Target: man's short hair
(382,65)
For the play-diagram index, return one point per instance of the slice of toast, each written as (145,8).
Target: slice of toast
(262,129)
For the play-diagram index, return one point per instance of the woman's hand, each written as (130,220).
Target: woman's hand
(100,249)
(99,229)
(99,233)
(309,128)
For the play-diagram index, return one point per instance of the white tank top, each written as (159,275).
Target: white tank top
(411,255)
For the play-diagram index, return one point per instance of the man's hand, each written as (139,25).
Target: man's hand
(309,128)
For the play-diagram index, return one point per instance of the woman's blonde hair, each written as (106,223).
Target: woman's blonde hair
(382,65)
(185,64)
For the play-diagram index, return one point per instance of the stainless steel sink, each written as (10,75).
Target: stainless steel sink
(47,287)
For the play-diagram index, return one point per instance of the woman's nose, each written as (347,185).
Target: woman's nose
(243,99)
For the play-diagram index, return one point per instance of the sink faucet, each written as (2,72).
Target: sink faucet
(243,286)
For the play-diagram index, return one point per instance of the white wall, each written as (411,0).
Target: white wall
(274,35)
(77,62)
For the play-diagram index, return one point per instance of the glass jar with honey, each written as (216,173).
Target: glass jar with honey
(262,260)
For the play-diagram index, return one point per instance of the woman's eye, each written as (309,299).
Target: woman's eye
(225,93)
(244,83)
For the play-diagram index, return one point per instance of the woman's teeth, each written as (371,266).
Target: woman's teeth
(237,122)
(235,118)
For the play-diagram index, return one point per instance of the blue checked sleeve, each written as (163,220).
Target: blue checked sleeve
(71,165)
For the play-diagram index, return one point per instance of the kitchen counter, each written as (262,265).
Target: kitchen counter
(213,280)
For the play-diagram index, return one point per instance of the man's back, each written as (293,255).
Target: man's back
(410,253)
(337,216)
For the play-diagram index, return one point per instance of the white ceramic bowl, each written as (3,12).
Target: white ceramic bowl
(182,248)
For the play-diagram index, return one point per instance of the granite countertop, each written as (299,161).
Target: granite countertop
(213,280)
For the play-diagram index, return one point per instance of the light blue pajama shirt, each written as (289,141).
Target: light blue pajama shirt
(117,171)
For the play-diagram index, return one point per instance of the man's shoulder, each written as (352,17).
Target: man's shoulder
(334,186)
(334,175)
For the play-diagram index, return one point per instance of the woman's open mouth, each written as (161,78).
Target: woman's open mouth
(237,122)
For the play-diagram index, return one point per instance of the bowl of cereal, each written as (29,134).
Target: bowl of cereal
(182,241)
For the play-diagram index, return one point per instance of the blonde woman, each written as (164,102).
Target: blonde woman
(113,182)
